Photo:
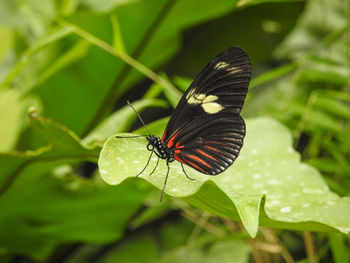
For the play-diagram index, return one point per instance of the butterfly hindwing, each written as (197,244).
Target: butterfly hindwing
(210,145)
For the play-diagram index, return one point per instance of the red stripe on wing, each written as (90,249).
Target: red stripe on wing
(177,145)
(206,155)
(189,163)
(171,141)
(197,159)
(162,140)
(211,148)
(215,142)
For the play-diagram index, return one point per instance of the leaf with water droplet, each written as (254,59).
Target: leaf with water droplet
(267,167)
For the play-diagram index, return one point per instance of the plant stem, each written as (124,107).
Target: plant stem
(123,56)
(310,247)
(112,94)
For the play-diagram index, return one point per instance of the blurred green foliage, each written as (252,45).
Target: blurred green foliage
(66,70)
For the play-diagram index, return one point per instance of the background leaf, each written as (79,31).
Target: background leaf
(77,62)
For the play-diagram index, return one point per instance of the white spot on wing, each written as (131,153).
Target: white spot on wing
(207,101)
(234,70)
(210,98)
(190,93)
(212,107)
(221,65)
(226,66)
(200,97)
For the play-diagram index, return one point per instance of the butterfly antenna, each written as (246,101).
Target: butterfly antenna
(144,125)
(128,137)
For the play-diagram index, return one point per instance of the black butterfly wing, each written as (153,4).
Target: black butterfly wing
(206,130)
(227,76)
(211,144)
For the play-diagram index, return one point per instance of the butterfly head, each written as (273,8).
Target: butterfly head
(160,149)
(153,140)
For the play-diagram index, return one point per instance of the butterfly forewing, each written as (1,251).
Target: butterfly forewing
(206,130)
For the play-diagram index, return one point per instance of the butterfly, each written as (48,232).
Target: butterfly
(206,131)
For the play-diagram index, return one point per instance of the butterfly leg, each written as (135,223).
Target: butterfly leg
(146,164)
(166,179)
(155,167)
(183,169)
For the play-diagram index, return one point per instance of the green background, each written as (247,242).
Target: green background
(68,191)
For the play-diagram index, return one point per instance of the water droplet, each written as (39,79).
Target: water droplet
(286,209)
(275,202)
(256,176)
(273,182)
(312,191)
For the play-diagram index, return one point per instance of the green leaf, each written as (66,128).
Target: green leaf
(118,42)
(295,194)
(334,106)
(172,97)
(326,76)
(168,242)
(7,37)
(27,57)
(39,214)
(153,210)
(244,3)
(155,38)
(80,86)
(338,247)
(225,251)
(221,251)
(104,5)
(62,140)
(324,164)
(10,121)
(182,82)
(43,207)
(317,118)
(273,74)
(133,249)
(30,18)
(314,34)
(75,53)
(64,146)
